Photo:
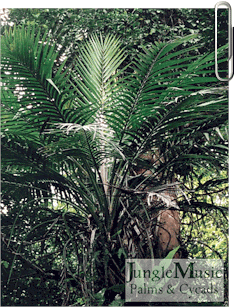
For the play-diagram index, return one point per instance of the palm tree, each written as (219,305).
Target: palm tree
(96,156)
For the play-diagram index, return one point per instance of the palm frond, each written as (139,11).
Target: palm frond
(30,88)
(161,106)
(95,78)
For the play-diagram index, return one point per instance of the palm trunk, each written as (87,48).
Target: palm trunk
(167,231)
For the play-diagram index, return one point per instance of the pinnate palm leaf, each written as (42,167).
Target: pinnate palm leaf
(28,65)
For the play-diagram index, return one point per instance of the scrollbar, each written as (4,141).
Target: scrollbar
(230,42)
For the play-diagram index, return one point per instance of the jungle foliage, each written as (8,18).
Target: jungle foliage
(82,108)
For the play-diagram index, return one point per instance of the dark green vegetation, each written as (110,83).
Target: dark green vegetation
(81,111)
